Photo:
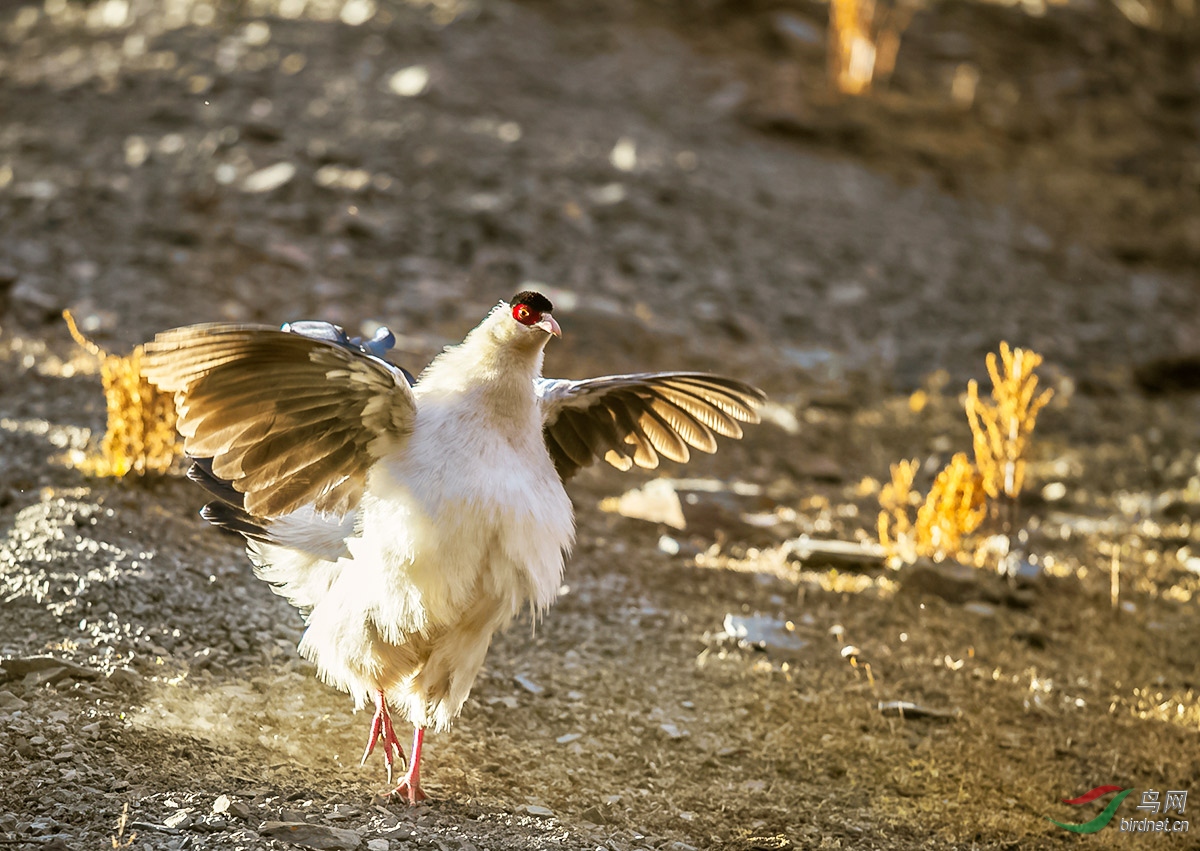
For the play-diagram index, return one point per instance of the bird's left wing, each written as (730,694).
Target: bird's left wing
(633,419)
(288,419)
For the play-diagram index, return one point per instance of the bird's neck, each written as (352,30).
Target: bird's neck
(497,375)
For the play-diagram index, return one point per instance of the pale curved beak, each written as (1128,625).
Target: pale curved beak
(550,325)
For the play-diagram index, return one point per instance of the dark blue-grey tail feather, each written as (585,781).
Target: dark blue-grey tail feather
(231,519)
(201,472)
(229,511)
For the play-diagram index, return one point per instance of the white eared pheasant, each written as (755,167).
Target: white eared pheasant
(409,520)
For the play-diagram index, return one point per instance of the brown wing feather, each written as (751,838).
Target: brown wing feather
(633,419)
(289,420)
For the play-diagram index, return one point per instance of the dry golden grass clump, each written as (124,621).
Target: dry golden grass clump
(896,498)
(953,509)
(1001,431)
(140,436)
(864,38)
(957,503)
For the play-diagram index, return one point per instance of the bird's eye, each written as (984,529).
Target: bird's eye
(524,315)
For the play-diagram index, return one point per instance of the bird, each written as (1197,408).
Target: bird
(410,519)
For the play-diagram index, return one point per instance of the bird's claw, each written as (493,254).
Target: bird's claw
(381,728)
(410,790)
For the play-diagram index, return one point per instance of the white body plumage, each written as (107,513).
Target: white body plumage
(457,531)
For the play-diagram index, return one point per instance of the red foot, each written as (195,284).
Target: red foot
(410,785)
(381,728)
(409,790)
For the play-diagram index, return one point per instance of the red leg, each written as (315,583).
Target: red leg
(381,728)
(410,784)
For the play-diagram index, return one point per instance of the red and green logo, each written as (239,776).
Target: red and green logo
(1105,816)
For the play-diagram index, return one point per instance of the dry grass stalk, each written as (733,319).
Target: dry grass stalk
(864,39)
(1114,577)
(120,841)
(140,435)
(1001,431)
(955,507)
(896,498)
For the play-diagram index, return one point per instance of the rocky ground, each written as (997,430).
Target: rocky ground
(678,177)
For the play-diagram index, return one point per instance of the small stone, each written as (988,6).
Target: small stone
(594,815)
(409,82)
(908,709)
(568,738)
(221,804)
(179,820)
(42,826)
(125,679)
(796,32)
(378,845)
(672,731)
(270,178)
(239,809)
(762,632)
(982,609)
(9,702)
(624,154)
(19,666)
(539,810)
(35,679)
(528,684)
(312,835)
(655,502)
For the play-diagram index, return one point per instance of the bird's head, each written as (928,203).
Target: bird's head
(531,318)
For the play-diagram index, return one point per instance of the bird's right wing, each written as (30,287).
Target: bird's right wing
(288,420)
(632,419)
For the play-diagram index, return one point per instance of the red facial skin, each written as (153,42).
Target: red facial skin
(525,315)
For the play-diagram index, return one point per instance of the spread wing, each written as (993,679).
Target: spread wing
(288,420)
(633,419)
